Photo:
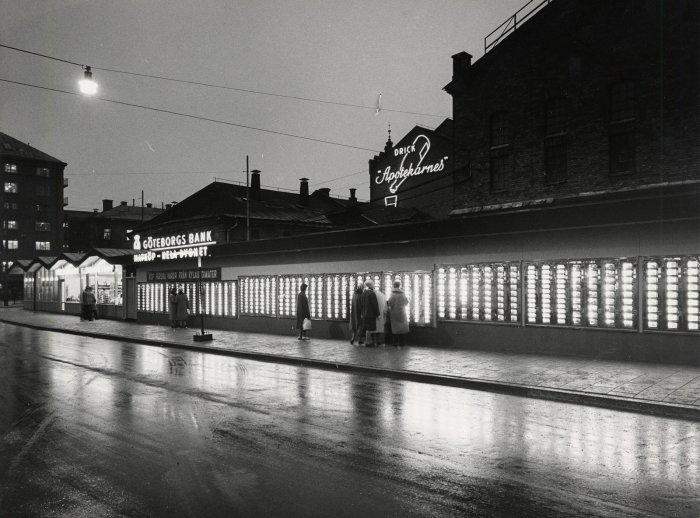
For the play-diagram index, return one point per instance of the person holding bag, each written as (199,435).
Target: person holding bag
(303,313)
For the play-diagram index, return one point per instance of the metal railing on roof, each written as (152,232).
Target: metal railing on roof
(512,23)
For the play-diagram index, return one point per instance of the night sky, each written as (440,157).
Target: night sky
(342,53)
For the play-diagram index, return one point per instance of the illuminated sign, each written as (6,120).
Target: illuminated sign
(412,163)
(176,246)
(207,274)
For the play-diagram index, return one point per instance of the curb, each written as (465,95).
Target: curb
(620,403)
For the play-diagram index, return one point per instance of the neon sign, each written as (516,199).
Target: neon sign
(411,164)
(175,246)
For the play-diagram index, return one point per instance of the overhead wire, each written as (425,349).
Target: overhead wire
(197,117)
(376,109)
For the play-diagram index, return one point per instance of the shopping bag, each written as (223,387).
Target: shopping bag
(306,324)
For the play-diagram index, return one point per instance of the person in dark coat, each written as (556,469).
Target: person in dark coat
(370,312)
(356,330)
(172,307)
(303,311)
(397,314)
(182,305)
(87,302)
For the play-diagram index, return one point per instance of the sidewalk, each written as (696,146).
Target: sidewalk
(669,390)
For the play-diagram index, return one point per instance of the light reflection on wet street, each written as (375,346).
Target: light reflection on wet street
(98,428)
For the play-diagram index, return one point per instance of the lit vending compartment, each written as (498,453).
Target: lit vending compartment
(692,280)
(337,289)
(478,292)
(258,295)
(588,293)
(671,294)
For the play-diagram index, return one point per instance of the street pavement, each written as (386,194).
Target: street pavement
(658,389)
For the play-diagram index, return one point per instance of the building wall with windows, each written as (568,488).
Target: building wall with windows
(588,96)
(31,202)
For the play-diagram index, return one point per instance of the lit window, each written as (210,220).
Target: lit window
(42,171)
(10,205)
(10,168)
(11,244)
(42,226)
(10,187)
(43,245)
(107,234)
(10,224)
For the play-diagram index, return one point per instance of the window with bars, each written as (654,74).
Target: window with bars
(487,292)
(586,293)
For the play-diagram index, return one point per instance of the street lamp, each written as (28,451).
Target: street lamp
(87,85)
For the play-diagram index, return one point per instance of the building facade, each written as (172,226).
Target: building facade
(31,201)
(110,228)
(586,97)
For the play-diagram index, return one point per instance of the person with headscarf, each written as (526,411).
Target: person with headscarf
(398,317)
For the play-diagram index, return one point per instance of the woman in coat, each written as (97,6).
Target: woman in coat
(182,306)
(356,331)
(397,314)
(303,311)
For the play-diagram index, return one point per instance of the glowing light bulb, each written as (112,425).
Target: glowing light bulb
(87,85)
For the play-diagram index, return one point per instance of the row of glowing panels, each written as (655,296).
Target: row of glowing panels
(583,293)
(330,296)
(215,298)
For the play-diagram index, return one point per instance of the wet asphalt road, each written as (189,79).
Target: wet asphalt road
(100,428)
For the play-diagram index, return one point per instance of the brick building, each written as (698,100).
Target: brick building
(587,97)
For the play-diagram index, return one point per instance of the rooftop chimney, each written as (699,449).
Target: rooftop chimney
(255,193)
(168,206)
(106,205)
(324,192)
(352,194)
(460,64)
(149,205)
(123,203)
(304,192)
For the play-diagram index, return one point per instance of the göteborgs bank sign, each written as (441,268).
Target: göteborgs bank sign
(175,246)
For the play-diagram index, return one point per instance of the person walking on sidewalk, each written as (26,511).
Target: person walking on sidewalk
(397,314)
(182,306)
(303,311)
(356,331)
(370,312)
(172,307)
(87,300)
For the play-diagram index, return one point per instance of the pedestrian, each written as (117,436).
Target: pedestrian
(172,307)
(303,312)
(381,319)
(88,304)
(356,331)
(182,306)
(398,317)
(370,312)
